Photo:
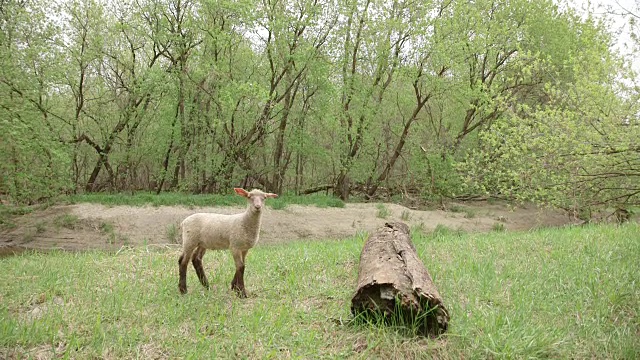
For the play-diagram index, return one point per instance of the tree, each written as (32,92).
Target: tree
(366,97)
(578,150)
(367,69)
(33,161)
(421,68)
(295,37)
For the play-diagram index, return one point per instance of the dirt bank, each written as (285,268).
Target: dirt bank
(91,226)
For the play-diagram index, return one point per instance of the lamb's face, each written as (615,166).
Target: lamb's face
(255,198)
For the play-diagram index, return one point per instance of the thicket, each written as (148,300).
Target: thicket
(427,99)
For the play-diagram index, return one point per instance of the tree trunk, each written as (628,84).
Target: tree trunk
(91,183)
(342,186)
(394,283)
(421,101)
(167,156)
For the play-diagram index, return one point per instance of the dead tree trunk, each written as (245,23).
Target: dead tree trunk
(394,283)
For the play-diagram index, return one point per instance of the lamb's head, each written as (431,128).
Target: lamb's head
(255,197)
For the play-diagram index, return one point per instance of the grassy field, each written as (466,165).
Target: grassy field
(552,293)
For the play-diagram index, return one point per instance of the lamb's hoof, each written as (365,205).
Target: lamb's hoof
(239,292)
(183,289)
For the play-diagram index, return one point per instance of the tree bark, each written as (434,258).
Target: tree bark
(394,283)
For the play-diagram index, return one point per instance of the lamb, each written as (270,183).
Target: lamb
(237,232)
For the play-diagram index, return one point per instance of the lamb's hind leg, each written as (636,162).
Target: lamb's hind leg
(197,264)
(183,263)
(237,283)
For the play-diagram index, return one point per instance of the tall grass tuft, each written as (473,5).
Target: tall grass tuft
(173,234)
(443,232)
(383,211)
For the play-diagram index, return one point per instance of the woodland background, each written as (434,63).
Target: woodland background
(523,100)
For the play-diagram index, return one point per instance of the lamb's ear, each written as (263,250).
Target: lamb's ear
(271,195)
(241,192)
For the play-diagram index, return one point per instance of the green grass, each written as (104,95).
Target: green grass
(173,198)
(277,204)
(68,221)
(498,227)
(443,232)
(551,293)
(457,208)
(108,229)
(383,211)
(41,227)
(173,235)
(468,212)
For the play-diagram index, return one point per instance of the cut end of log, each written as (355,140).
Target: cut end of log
(395,286)
(385,302)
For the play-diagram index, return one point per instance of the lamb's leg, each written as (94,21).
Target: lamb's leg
(237,283)
(197,264)
(183,263)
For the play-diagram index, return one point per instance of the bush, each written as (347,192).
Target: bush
(439,178)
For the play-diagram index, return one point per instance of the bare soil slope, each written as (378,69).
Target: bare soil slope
(92,226)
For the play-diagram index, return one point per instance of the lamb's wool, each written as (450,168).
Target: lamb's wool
(237,232)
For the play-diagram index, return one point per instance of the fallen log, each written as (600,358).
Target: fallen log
(316,189)
(394,283)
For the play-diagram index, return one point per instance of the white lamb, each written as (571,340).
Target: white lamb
(237,232)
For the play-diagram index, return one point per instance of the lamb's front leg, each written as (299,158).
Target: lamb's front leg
(237,284)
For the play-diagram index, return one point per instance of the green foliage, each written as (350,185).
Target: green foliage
(32,167)
(33,162)
(360,97)
(501,304)
(440,178)
(576,149)
(571,158)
